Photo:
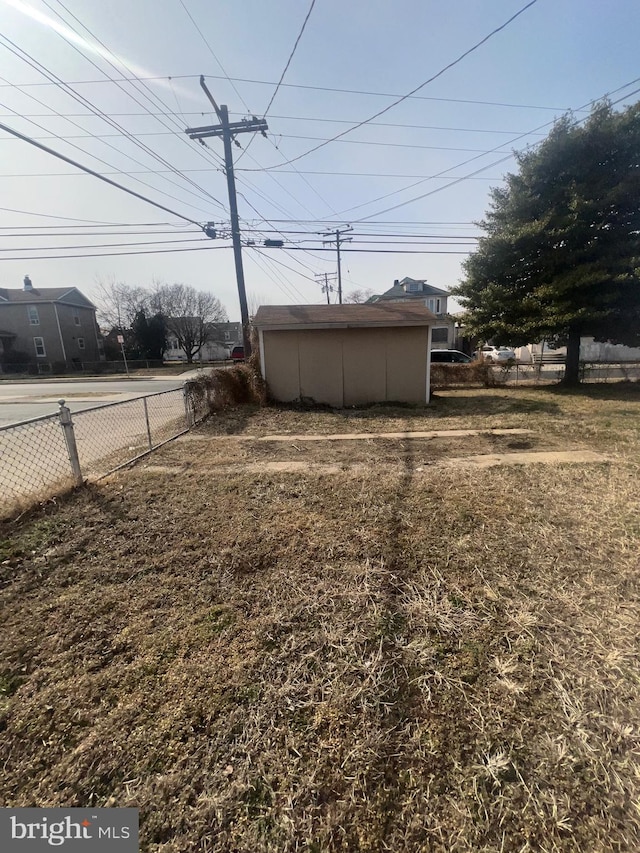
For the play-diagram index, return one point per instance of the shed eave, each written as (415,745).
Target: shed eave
(300,327)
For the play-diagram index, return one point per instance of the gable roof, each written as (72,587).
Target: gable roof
(342,316)
(44,294)
(398,291)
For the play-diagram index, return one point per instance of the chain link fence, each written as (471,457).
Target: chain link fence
(546,374)
(44,456)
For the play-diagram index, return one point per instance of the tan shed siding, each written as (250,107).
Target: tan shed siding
(407,350)
(281,365)
(347,367)
(320,353)
(364,358)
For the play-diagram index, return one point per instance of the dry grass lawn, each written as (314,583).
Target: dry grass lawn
(378,659)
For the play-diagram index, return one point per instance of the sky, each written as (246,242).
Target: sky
(114,86)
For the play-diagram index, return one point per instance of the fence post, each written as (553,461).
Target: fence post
(70,439)
(146,420)
(187,410)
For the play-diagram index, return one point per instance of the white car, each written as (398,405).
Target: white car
(497,354)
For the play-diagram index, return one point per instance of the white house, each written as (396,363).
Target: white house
(223,338)
(435,299)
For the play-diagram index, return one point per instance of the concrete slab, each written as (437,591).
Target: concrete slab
(360,436)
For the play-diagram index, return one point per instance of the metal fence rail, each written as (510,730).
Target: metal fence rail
(547,373)
(44,456)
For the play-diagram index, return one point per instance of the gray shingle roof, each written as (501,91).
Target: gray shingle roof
(342,316)
(37,294)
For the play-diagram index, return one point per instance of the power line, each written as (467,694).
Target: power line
(381,251)
(319,89)
(417,88)
(286,67)
(282,264)
(38,66)
(109,245)
(69,218)
(89,171)
(281,285)
(211,51)
(113,254)
(135,80)
(351,174)
(391,124)
(484,168)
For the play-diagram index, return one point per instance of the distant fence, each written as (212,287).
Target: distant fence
(46,368)
(46,455)
(548,373)
(483,374)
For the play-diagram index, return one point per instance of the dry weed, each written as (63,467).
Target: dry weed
(446,662)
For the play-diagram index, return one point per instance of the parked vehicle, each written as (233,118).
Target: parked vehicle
(449,356)
(497,354)
(237,354)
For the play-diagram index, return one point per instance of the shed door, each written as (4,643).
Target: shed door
(364,366)
(320,354)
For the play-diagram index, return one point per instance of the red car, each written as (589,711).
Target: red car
(237,354)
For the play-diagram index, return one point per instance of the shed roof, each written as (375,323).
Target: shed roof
(342,316)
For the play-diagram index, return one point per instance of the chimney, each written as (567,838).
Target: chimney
(27,283)
(396,282)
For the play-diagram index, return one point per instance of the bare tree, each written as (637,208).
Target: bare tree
(254,301)
(189,315)
(359,295)
(119,303)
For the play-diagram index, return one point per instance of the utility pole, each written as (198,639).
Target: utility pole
(337,239)
(228,131)
(323,281)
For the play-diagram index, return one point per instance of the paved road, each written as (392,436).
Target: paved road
(23,400)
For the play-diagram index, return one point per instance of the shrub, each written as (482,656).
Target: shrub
(453,375)
(240,385)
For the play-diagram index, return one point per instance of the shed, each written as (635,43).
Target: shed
(346,355)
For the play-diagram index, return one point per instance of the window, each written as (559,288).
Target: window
(32,311)
(430,304)
(440,336)
(76,317)
(414,286)
(227,336)
(80,343)
(437,306)
(39,345)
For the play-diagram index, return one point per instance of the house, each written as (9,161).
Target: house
(435,299)
(346,355)
(223,338)
(48,328)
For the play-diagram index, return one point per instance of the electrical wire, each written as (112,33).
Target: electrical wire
(38,66)
(286,67)
(89,171)
(148,93)
(271,83)
(115,171)
(211,51)
(112,254)
(281,284)
(417,88)
(109,245)
(484,168)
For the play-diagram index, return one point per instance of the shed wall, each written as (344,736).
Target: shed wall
(347,367)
